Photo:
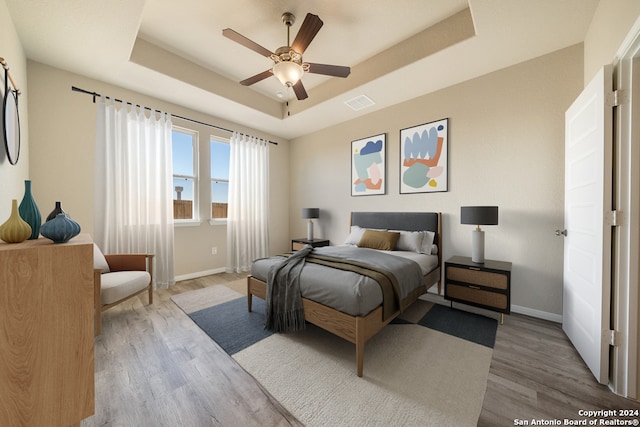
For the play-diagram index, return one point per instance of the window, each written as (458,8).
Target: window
(185,173)
(220,152)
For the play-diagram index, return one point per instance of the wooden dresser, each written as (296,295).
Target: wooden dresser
(46,332)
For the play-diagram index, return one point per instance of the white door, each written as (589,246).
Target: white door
(587,245)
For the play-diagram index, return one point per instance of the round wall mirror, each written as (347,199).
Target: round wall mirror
(11,125)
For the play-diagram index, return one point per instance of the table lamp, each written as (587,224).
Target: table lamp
(478,215)
(311,214)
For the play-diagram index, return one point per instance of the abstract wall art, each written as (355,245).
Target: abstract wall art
(423,158)
(368,165)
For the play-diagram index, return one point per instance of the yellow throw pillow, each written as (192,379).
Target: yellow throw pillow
(385,240)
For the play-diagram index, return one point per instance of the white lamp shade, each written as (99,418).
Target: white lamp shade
(288,72)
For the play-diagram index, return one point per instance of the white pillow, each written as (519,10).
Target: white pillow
(354,237)
(99,261)
(409,241)
(427,242)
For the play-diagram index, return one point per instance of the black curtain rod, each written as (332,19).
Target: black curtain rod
(94,94)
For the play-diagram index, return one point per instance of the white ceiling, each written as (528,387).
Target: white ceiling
(105,39)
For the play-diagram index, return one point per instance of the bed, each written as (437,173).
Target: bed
(358,318)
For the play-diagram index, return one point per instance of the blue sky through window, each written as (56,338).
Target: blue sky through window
(182,151)
(220,153)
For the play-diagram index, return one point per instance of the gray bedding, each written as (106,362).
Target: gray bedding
(347,291)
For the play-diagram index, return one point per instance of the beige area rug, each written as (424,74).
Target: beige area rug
(413,375)
(199,299)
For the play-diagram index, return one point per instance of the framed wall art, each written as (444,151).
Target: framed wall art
(368,165)
(423,158)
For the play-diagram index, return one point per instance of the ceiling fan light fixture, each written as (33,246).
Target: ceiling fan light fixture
(288,66)
(288,72)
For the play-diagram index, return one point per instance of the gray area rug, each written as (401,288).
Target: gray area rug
(414,373)
(462,324)
(231,325)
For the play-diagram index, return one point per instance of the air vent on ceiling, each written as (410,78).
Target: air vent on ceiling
(359,102)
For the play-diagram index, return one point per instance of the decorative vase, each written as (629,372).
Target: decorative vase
(15,229)
(57,210)
(29,211)
(60,229)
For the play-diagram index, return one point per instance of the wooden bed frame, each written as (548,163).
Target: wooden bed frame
(359,329)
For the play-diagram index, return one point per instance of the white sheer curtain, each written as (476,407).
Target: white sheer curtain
(247,217)
(133,179)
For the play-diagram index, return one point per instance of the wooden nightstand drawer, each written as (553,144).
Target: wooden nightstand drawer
(477,296)
(477,277)
(296,246)
(486,285)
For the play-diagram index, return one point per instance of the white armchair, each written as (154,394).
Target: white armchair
(117,278)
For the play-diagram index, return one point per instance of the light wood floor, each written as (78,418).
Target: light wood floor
(155,367)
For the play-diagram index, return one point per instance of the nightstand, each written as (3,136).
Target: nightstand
(486,285)
(315,243)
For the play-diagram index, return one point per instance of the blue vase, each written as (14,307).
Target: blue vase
(29,211)
(60,229)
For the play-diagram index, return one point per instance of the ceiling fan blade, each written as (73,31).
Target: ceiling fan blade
(299,90)
(258,77)
(329,70)
(310,27)
(239,38)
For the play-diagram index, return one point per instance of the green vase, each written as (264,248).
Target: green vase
(29,211)
(15,229)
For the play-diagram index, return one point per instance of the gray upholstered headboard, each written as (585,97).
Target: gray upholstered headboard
(409,221)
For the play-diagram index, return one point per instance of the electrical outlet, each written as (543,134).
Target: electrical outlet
(214,250)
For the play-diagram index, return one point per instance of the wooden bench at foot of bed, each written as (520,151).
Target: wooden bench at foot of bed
(355,329)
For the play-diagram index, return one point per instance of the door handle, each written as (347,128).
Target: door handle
(561,232)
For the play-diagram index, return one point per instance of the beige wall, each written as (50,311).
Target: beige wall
(506,148)
(12,176)
(62,159)
(611,23)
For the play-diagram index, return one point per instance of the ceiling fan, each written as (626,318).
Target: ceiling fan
(287,60)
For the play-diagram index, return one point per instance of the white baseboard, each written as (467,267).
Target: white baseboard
(200,274)
(552,317)
(544,315)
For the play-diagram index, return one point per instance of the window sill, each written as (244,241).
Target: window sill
(218,221)
(187,223)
